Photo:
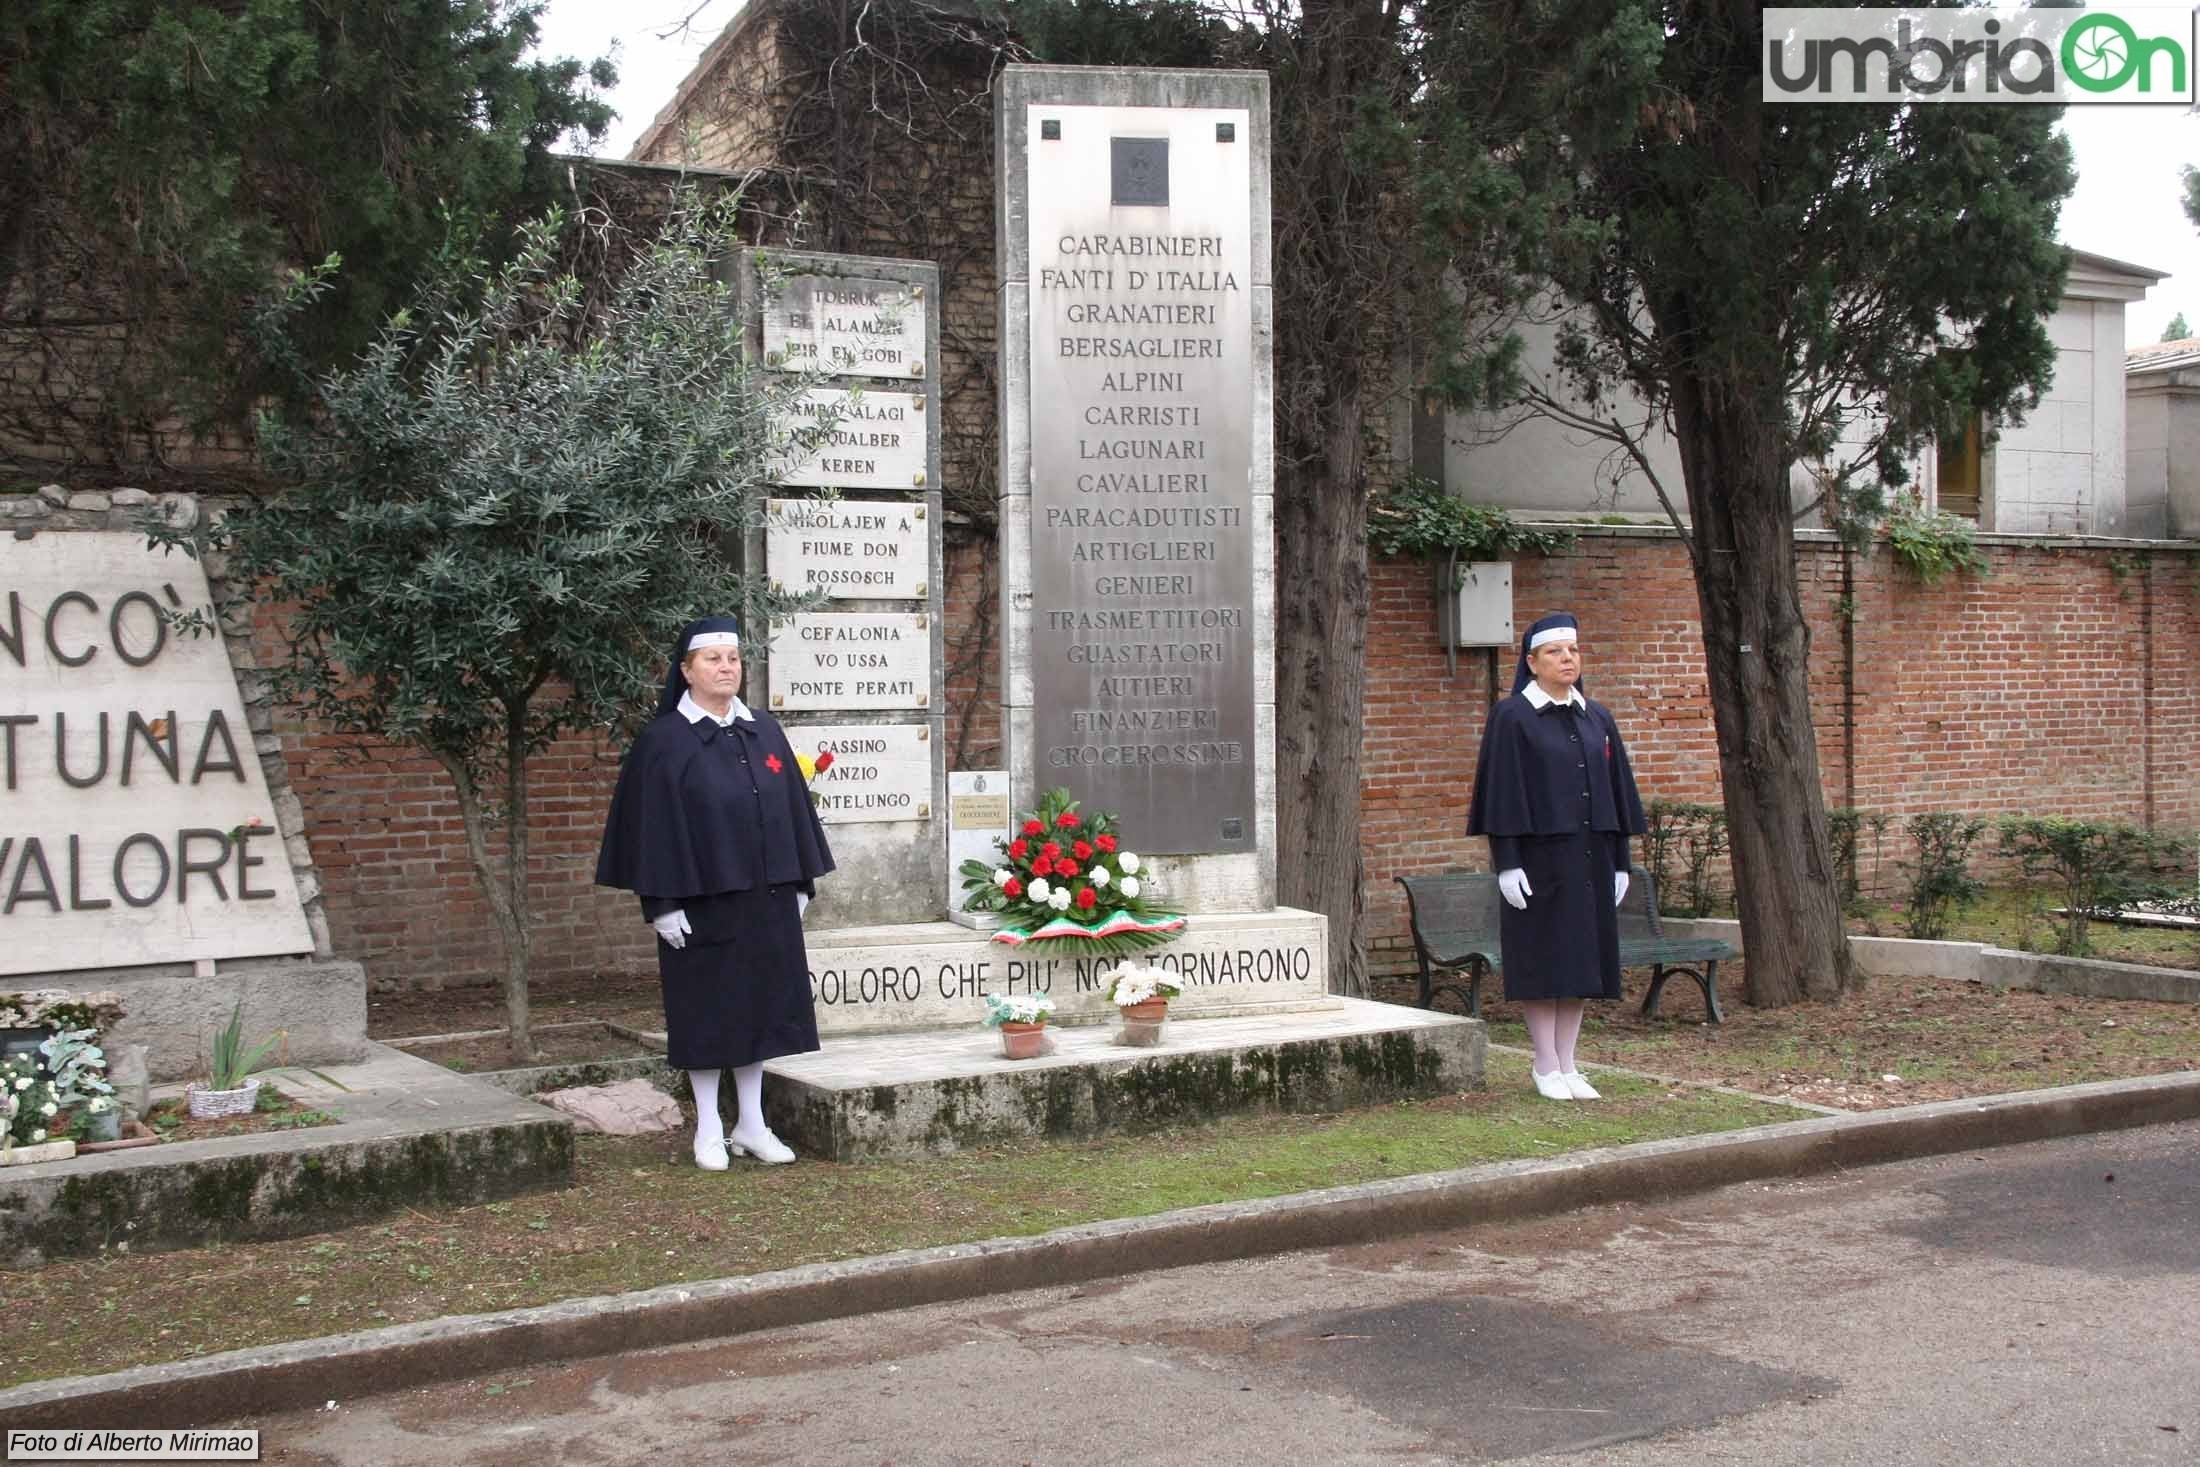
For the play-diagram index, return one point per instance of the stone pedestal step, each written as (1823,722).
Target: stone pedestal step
(409,1132)
(939,1091)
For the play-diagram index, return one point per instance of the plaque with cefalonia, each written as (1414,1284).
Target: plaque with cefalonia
(859,660)
(851,549)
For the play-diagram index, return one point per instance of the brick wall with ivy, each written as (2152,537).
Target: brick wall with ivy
(2065,681)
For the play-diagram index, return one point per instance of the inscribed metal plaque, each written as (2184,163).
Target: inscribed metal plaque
(880,771)
(865,660)
(139,826)
(1142,637)
(847,327)
(851,549)
(855,440)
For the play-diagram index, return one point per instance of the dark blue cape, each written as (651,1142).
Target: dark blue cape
(1555,794)
(701,811)
(1531,778)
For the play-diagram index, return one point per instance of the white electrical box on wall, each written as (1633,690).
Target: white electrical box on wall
(1480,608)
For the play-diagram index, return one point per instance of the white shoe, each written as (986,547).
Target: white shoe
(766,1148)
(711,1155)
(1578,1086)
(1552,1086)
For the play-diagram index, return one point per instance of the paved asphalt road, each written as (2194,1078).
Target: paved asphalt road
(2037,1304)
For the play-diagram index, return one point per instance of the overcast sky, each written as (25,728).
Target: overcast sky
(2126,206)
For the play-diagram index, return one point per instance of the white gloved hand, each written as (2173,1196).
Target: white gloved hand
(1619,887)
(801,905)
(1513,887)
(673,928)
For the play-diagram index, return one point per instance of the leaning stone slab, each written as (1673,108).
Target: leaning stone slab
(627,1108)
(937,1092)
(411,1133)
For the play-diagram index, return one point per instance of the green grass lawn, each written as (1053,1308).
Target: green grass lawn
(1941,1040)
(642,1215)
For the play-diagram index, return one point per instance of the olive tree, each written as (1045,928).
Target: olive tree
(494,521)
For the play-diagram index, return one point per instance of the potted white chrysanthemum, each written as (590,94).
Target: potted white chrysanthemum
(1022,1020)
(1141,994)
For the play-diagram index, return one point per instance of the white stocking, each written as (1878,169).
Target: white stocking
(708,1127)
(748,1092)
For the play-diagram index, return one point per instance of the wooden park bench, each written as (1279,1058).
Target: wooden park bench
(1455,931)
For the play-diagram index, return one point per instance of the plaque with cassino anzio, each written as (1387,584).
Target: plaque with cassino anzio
(851,549)
(845,327)
(851,659)
(854,440)
(880,771)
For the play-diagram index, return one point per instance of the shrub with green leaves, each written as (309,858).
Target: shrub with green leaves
(1932,542)
(1940,880)
(498,518)
(1685,841)
(1418,517)
(2095,866)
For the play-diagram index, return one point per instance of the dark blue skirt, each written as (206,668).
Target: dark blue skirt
(1566,944)
(739,992)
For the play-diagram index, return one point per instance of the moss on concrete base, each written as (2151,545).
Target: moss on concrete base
(274,1194)
(949,1113)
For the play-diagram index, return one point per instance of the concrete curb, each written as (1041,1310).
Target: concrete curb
(307,1372)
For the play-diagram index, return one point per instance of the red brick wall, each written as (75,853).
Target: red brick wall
(2067,682)
(2022,691)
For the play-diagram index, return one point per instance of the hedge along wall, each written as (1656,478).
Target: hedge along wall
(2066,682)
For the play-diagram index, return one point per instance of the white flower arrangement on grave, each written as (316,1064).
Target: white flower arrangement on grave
(1018,1008)
(29,1104)
(1135,983)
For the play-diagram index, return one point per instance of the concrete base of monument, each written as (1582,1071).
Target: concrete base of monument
(409,1131)
(892,1095)
(318,1005)
(936,975)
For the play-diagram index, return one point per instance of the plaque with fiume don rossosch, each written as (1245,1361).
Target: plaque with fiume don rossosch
(850,549)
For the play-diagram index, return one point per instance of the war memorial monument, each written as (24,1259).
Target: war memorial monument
(1137,607)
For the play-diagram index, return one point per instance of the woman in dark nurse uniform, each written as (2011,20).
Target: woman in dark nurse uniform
(1555,795)
(712,827)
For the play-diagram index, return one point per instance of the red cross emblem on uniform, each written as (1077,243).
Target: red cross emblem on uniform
(771,762)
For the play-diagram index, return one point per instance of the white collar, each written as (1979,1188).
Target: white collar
(1540,700)
(694,712)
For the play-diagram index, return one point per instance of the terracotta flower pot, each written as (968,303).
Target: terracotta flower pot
(1023,1041)
(1152,1011)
